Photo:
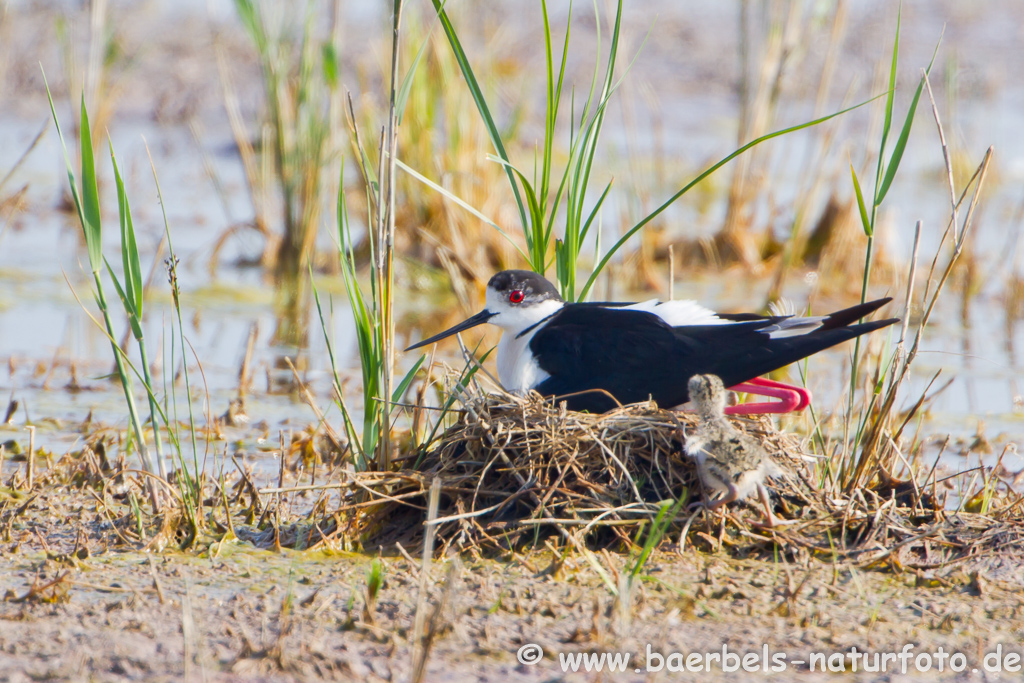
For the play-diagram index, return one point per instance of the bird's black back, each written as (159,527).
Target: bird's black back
(635,355)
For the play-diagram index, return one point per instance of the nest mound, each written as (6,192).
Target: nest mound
(514,470)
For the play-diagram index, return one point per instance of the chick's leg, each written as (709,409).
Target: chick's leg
(772,522)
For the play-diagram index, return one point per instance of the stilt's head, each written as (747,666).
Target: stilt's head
(516,300)
(708,394)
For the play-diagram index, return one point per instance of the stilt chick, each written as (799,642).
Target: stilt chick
(729,462)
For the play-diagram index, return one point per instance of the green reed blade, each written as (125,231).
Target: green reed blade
(901,141)
(403,386)
(481,104)
(864,220)
(90,196)
(133,280)
(403,92)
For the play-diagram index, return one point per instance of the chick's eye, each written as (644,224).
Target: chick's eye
(516,296)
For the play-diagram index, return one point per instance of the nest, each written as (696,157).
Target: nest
(514,471)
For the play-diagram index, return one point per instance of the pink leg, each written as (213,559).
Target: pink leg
(790,398)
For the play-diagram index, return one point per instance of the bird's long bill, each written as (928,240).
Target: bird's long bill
(478,319)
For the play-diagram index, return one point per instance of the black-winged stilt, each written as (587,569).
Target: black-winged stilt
(729,462)
(588,353)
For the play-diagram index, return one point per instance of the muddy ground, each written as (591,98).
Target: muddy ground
(79,604)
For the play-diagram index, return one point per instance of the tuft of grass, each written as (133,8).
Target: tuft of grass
(87,205)
(373,310)
(300,74)
(540,200)
(190,486)
(368,318)
(131,292)
(374,582)
(872,454)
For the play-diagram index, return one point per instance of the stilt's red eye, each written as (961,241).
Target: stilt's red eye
(516,296)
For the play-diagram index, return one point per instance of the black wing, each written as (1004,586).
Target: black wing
(635,355)
(591,348)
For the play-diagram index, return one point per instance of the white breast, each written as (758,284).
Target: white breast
(517,369)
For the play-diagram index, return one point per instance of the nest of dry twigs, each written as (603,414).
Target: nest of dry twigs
(512,471)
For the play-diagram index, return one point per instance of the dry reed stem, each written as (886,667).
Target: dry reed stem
(421,648)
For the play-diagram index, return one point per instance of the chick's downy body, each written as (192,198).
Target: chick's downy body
(729,462)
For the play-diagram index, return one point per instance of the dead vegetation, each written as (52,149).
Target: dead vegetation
(553,495)
(515,471)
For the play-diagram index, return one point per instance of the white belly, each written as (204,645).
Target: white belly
(517,369)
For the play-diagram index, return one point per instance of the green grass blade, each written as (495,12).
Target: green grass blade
(481,104)
(403,386)
(551,110)
(591,138)
(666,514)
(593,211)
(901,142)
(536,245)
(253,24)
(72,181)
(887,124)
(129,307)
(554,97)
(90,196)
(864,220)
(129,251)
(651,216)
(329,59)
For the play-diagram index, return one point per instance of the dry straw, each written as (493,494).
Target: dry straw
(515,471)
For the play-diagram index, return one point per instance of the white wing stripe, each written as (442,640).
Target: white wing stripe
(679,312)
(792,327)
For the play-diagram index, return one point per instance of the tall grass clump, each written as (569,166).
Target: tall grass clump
(187,489)
(547,195)
(370,442)
(299,76)
(885,173)
(869,453)
(87,205)
(373,308)
(372,299)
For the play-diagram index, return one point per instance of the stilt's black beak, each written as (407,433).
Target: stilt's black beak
(478,319)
